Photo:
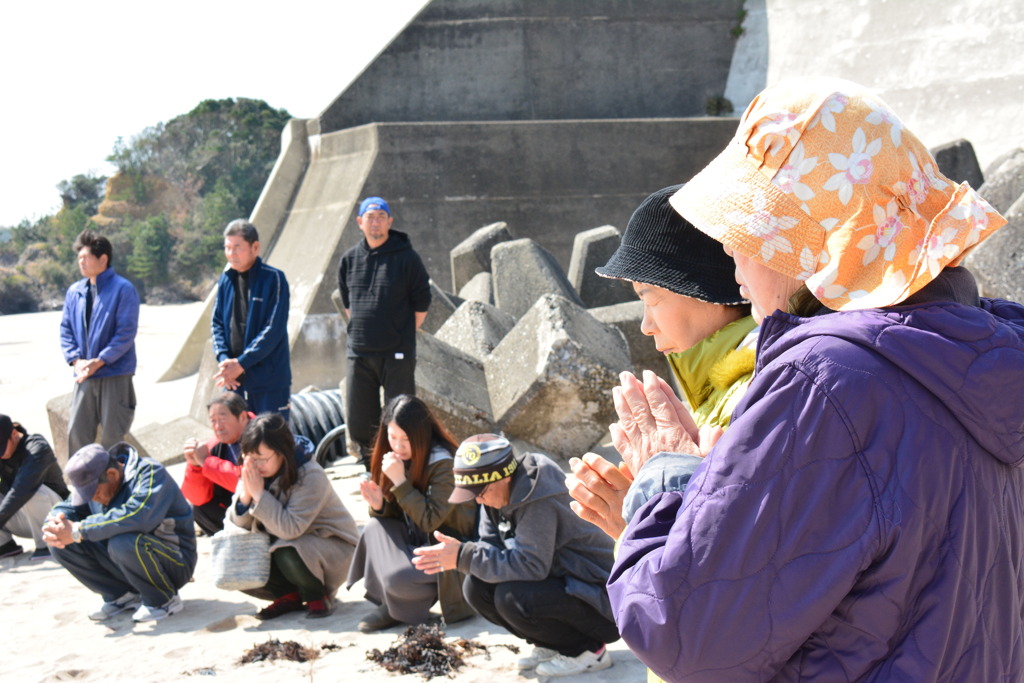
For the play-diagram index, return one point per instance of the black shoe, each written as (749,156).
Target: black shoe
(41,554)
(10,549)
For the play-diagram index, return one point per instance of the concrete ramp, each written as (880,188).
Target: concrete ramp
(307,247)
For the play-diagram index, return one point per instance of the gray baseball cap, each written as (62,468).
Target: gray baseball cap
(84,471)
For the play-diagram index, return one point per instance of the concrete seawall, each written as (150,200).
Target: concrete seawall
(950,71)
(547,179)
(950,68)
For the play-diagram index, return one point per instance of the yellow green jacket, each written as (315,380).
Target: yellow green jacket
(714,375)
(715,372)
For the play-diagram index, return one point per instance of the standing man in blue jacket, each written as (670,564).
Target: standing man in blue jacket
(97,335)
(250,324)
(386,293)
(126,532)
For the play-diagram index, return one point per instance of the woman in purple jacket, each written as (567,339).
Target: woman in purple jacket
(863,519)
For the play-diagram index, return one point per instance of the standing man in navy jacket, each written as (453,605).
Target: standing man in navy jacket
(97,335)
(250,324)
(386,293)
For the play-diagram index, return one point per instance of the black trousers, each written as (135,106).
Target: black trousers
(363,380)
(542,613)
(210,515)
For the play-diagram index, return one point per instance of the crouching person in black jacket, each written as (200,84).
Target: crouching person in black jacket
(30,484)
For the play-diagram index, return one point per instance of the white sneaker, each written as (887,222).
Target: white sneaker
(560,665)
(109,609)
(539,654)
(147,613)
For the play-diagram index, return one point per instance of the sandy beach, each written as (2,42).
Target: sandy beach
(48,636)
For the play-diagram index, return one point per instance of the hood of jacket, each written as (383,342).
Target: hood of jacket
(958,352)
(129,457)
(532,482)
(304,450)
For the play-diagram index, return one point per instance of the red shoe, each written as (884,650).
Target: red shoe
(318,609)
(283,605)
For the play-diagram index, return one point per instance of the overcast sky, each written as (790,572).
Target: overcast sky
(77,75)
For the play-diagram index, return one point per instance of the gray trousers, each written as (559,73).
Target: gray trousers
(27,522)
(383,560)
(107,402)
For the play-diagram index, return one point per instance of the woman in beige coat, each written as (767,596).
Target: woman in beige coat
(411,479)
(285,493)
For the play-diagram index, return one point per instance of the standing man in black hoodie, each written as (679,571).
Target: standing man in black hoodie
(386,293)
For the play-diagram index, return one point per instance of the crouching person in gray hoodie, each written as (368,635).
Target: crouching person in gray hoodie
(126,532)
(538,570)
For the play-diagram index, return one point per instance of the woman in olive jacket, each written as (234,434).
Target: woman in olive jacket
(410,481)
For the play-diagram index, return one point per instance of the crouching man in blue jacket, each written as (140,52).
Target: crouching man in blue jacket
(126,532)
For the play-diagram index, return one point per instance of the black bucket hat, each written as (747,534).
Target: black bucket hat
(662,248)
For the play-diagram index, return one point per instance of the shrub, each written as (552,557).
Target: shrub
(16,295)
(718,105)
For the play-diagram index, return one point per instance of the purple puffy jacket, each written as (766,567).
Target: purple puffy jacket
(863,518)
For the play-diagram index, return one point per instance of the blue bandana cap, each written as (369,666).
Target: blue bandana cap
(374,204)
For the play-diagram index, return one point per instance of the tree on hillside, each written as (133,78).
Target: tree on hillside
(151,249)
(201,247)
(235,141)
(178,184)
(67,224)
(83,190)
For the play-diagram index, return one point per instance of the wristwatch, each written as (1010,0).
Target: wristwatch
(76,532)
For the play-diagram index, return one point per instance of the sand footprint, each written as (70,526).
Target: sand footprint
(65,618)
(233,622)
(178,653)
(67,675)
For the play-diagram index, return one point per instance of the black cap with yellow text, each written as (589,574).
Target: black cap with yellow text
(481,460)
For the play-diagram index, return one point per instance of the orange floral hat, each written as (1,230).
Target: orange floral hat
(823,183)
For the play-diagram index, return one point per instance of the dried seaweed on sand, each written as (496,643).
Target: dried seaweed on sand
(422,649)
(275,649)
